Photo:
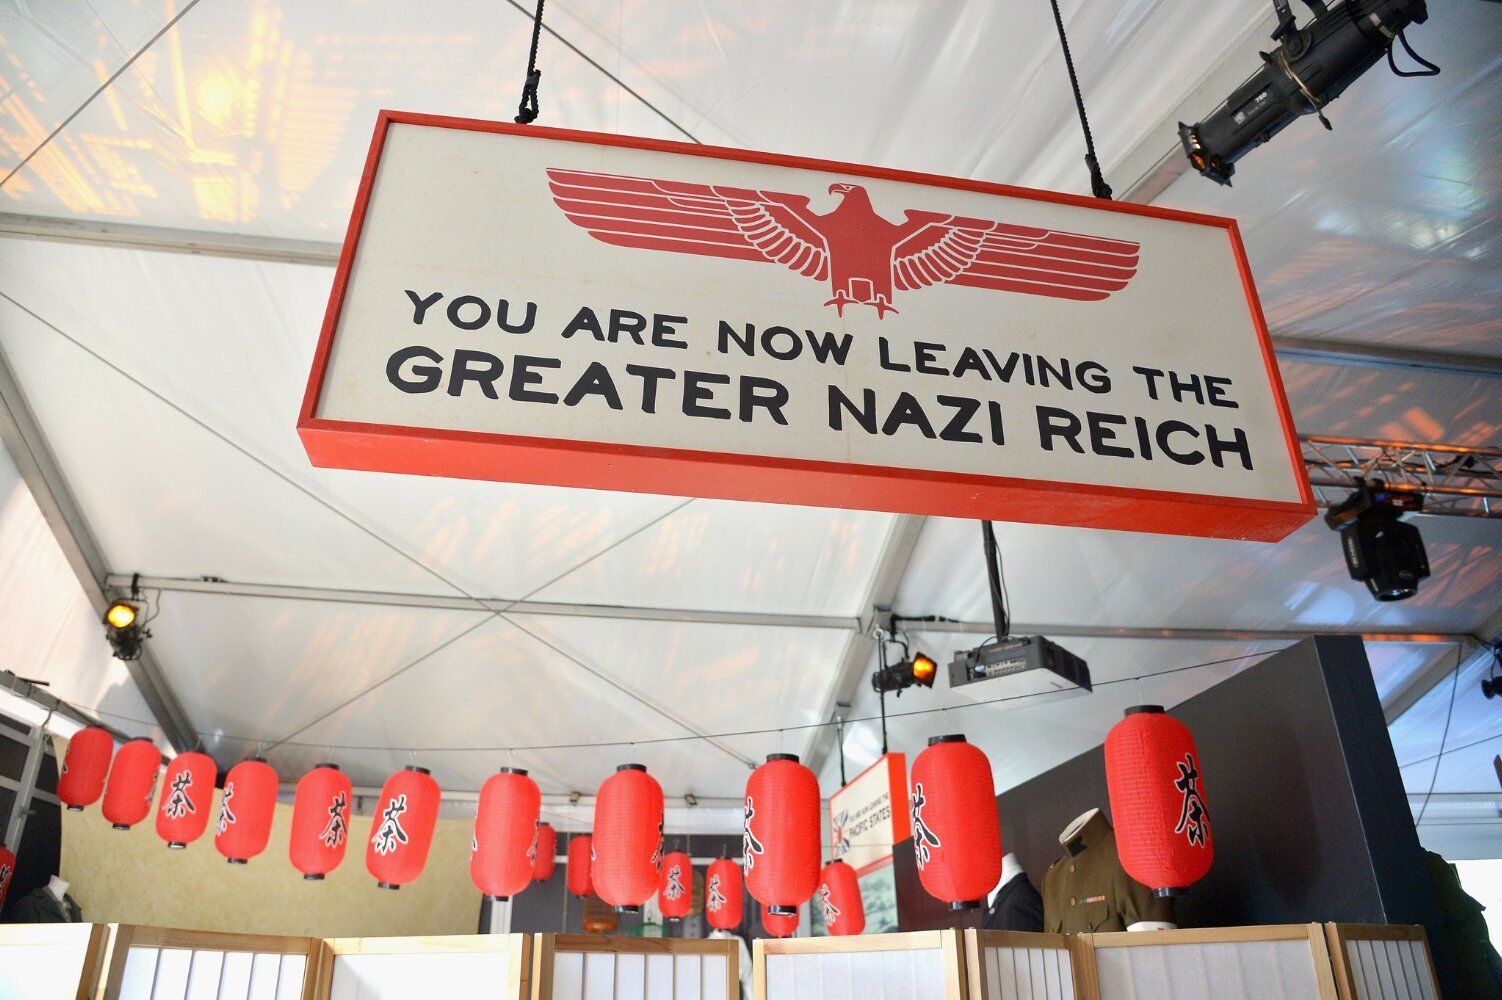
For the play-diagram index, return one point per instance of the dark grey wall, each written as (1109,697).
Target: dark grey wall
(1310,817)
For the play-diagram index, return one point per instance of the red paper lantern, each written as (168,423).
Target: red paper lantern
(579,863)
(7,869)
(675,892)
(839,897)
(544,853)
(401,831)
(956,829)
(781,839)
(187,798)
(501,861)
(128,793)
(724,894)
(85,765)
(779,925)
(628,838)
(320,821)
(246,810)
(1158,801)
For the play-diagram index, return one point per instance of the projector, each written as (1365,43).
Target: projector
(1043,666)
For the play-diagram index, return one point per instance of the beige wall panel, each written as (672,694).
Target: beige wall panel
(129,876)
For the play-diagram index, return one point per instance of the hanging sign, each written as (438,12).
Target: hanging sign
(532,305)
(869,815)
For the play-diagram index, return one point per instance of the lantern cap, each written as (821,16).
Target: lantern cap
(175,845)
(388,885)
(75,809)
(419,770)
(120,826)
(628,909)
(328,764)
(312,877)
(1144,710)
(236,861)
(783,911)
(510,770)
(782,756)
(138,739)
(631,767)
(1169,892)
(966,904)
(257,758)
(951,738)
(498,899)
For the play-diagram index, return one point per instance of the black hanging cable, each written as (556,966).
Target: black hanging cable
(1000,613)
(526,112)
(1098,185)
(1429,68)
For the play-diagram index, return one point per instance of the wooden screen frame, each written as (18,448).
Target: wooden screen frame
(946,942)
(517,974)
(95,940)
(1087,986)
(546,946)
(1338,934)
(123,937)
(977,940)
(437,451)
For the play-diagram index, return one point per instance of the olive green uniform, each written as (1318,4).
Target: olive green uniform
(1086,891)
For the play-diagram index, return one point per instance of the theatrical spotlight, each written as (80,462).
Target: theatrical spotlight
(125,625)
(1311,66)
(899,677)
(1381,550)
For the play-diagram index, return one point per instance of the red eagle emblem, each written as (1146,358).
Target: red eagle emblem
(864,257)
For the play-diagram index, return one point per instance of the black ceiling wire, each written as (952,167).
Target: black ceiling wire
(1098,185)
(650,741)
(494,608)
(1444,736)
(101,89)
(527,111)
(611,76)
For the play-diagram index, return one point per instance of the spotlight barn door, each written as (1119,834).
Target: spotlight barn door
(535,305)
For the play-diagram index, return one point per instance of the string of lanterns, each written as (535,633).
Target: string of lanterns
(1156,793)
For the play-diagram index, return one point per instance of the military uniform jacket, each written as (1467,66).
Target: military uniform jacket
(1087,891)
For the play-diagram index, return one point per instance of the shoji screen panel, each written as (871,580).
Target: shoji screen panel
(593,967)
(51,961)
(460,966)
(1381,962)
(153,963)
(923,965)
(1285,962)
(1011,965)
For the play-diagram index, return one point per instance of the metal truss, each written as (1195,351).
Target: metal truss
(1455,481)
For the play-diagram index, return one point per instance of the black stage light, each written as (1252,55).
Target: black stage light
(1381,550)
(1311,67)
(900,676)
(123,628)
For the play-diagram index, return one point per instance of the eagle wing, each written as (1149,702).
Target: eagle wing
(704,219)
(962,251)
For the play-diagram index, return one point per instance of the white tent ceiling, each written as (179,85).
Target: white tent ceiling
(165,385)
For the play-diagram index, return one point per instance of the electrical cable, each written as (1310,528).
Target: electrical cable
(1098,185)
(1429,68)
(1444,736)
(1001,611)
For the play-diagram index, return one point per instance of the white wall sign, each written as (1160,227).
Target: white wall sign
(532,305)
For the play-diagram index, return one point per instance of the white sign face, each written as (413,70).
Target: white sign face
(519,303)
(869,815)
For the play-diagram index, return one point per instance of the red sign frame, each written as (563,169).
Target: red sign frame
(683,472)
